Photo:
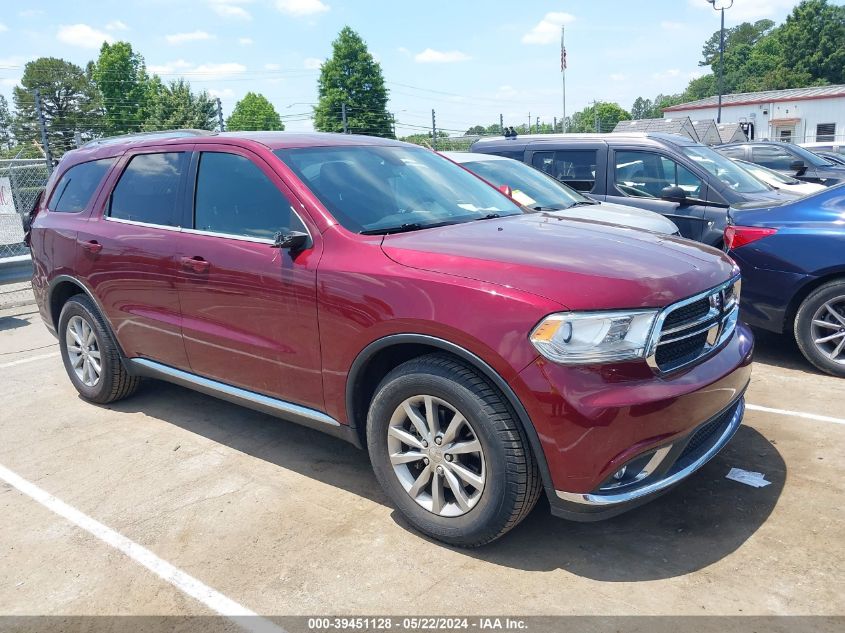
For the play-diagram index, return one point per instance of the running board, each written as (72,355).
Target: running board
(304,416)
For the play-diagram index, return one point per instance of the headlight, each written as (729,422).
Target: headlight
(578,338)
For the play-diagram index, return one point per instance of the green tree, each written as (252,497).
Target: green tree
(69,99)
(121,77)
(746,33)
(353,77)
(5,125)
(599,117)
(642,109)
(254,112)
(813,41)
(173,106)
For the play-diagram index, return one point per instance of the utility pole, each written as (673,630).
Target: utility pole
(554,127)
(42,124)
(537,127)
(723,7)
(220,125)
(596,117)
(528,130)
(343,116)
(393,124)
(502,124)
(433,131)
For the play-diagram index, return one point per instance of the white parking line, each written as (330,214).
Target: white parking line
(185,583)
(796,414)
(29,359)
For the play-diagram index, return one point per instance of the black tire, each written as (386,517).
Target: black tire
(114,381)
(834,290)
(513,482)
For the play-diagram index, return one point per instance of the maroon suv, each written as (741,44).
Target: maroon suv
(380,293)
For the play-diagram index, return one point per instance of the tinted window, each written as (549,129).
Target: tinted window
(645,175)
(733,152)
(76,186)
(514,154)
(148,191)
(724,169)
(529,186)
(772,157)
(374,188)
(576,168)
(235,197)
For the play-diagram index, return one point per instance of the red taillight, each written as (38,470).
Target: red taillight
(736,236)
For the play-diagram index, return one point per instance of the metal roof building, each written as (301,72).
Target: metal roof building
(674,125)
(707,132)
(797,114)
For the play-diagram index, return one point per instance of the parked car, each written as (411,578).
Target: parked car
(837,147)
(780,181)
(685,181)
(381,293)
(538,191)
(833,157)
(793,265)
(788,159)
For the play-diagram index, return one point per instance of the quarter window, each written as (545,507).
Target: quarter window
(77,185)
(148,190)
(234,197)
(576,168)
(645,175)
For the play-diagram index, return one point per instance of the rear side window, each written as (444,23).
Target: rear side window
(77,185)
(235,197)
(514,154)
(148,190)
(733,152)
(772,157)
(576,168)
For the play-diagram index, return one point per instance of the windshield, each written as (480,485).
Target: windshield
(725,170)
(384,189)
(767,175)
(529,186)
(811,159)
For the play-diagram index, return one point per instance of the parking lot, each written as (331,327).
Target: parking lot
(282,520)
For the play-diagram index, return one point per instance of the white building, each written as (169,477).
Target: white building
(799,115)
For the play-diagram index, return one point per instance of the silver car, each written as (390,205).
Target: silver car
(536,190)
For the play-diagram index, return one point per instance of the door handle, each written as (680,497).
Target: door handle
(196,263)
(92,246)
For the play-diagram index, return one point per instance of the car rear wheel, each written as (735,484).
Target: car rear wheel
(449,453)
(90,355)
(820,328)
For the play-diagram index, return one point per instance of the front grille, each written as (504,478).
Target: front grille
(690,329)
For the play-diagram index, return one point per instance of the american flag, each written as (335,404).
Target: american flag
(562,52)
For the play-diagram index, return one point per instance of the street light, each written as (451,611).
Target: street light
(721,5)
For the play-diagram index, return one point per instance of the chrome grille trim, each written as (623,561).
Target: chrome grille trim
(720,322)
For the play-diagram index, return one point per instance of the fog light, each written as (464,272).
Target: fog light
(620,474)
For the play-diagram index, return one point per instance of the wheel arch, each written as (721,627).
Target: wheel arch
(805,291)
(382,355)
(62,288)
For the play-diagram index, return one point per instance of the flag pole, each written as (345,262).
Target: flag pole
(563,125)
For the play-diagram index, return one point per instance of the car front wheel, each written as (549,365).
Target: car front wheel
(447,450)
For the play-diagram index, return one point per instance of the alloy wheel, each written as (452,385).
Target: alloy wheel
(83,351)
(828,329)
(436,455)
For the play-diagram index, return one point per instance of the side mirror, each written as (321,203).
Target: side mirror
(673,193)
(291,241)
(506,190)
(798,167)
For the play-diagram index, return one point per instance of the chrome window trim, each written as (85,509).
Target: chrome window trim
(727,324)
(148,225)
(589,499)
(229,236)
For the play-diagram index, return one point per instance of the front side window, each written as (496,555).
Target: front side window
(375,189)
(235,197)
(148,190)
(646,175)
(723,168)
(576,168)
(77,185)
(772,157)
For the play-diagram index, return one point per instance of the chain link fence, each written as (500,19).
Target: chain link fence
(21,180)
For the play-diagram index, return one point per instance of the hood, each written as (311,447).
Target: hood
(581,265)
(621,215)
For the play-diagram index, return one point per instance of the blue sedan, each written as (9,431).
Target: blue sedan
(793,266)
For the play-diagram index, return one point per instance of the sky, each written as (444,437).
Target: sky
(469,60)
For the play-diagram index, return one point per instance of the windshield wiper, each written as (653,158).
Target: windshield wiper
(583,203)
(489,216)
(402,228)
(556,207)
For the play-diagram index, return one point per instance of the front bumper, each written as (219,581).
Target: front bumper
(666,466)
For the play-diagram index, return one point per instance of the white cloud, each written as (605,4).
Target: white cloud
(9,82)
(748,9)
(667,74)
(226,93)
(506,92)
(618,77)
(193,36)
(668,25)
(30,13)
(403,50)
(230,9)
(218,71)
(116,25)
(312,63)
(301,7)
(431,56)
(82,35)
(170,68)
(272,66)
(246,41)
(547,30)
(3,27)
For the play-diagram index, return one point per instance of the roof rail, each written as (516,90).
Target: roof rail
(164,134)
